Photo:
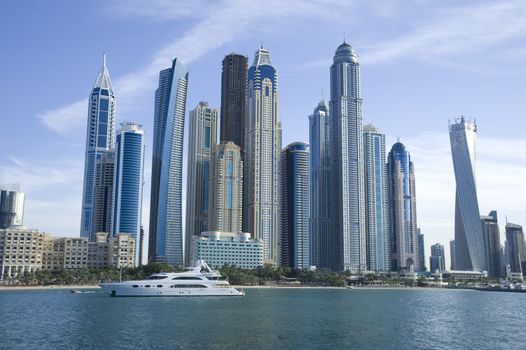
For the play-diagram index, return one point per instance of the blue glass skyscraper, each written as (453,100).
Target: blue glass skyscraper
(347,163)
(402,209)
(127,195)
(99,139)
(375,199)
(166,241)
(321,235)
(295,206)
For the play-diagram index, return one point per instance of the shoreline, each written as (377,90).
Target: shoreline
(53,286)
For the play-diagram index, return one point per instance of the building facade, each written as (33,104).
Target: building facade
(102,210)
(321,235)
(129,178)
(492,246)
(347,163)
(227,248)
(21,251)
(452,255)
(226,189)
(11,206)
(233,100)
(295,206)
(421,251)
(402,209)
(437,260)
(100,136)
(203,138)
(469,239)
(516,248)
(166,239)
(261,214)
(377,239)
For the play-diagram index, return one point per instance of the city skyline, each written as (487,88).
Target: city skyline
(435,221)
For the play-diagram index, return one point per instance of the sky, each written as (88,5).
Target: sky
(423,64)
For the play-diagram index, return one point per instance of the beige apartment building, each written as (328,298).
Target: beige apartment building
(27,250)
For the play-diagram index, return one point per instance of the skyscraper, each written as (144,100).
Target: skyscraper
(347,163)
(129,184)
(421,251)
(452,254)
(102,210)
(11,206)
(295,206)
(437,259)
(263,146)
(402,209)
(321,236)
(226,188)
(377,241)
(469,239)
(516,247)
(492,246)
(233,99)
(166,241)
(99,139)
(203,138)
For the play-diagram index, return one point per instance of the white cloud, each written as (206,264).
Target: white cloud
(456,31)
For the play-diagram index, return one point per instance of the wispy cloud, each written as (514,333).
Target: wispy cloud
(456,31)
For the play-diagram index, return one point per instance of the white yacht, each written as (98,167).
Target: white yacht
(197,281)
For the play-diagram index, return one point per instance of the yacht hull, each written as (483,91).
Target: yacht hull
(127,290)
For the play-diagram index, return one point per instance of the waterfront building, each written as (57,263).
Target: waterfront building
(347,204)
(452,254)
(228,248)
(437,260)
(492,246)
(166,239)
(233,100)
(203,138)
(321,235)
(402,209)
(377,239)
(103,194)
(516,248)
(21,251)
(469,239)
(226,189)
(262,152)
(421,251)
(99,139)
(11,206)
(129,174)
(295,206)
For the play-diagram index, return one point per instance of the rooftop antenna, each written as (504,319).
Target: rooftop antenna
(398,139)
(261,43)
(104,59)
(344,37)
(322,93)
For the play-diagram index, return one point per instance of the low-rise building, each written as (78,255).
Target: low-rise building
(27,250)
(220,248)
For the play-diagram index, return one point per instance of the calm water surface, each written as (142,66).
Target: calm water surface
(266,319)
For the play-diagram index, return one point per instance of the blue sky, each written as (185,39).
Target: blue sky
(422,63)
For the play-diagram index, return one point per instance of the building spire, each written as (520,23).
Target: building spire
(104,60)
(344,38)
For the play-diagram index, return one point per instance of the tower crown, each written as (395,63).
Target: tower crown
(262,57)
(345,53)
(103,79)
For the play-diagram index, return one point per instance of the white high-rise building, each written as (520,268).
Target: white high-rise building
(261,215)
(469,238)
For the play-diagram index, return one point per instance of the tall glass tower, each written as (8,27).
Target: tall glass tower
(469,239)
(492,246)
(295,206)
(347,163)
(166,241)
(321,234)
(233,99)
(203,138)
(129,165)
(402,209)
(263,147)
(102,211)
(99,139)
(377,237)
